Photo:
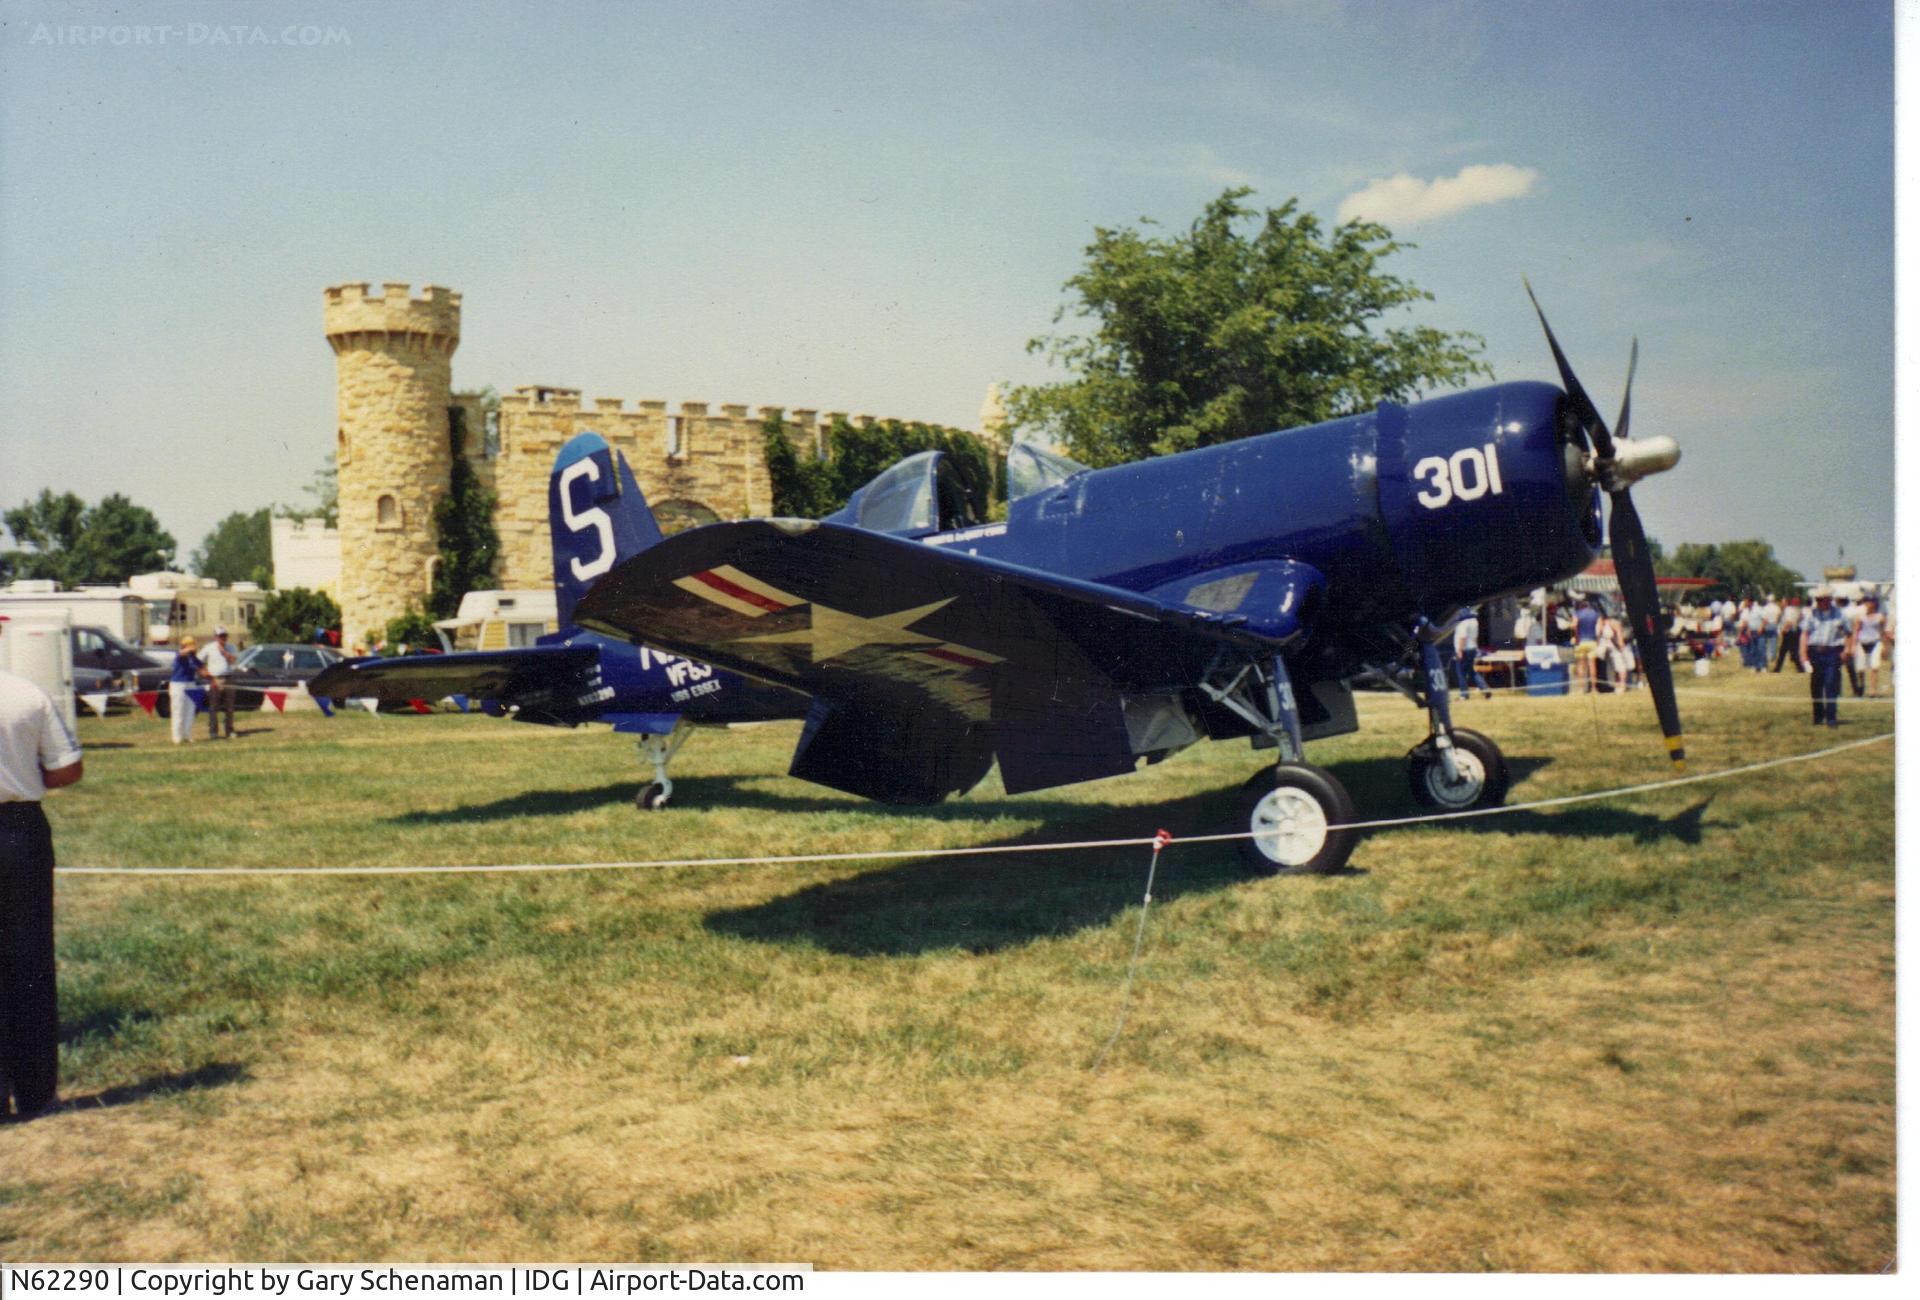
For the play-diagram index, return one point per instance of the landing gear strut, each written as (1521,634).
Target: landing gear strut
(1453,769)
(659,751)
(1295,811)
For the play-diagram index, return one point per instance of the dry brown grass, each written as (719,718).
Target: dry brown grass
(1657,1036)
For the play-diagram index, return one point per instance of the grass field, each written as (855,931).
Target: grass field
(1653,1033)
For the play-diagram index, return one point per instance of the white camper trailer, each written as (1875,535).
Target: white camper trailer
(499,620)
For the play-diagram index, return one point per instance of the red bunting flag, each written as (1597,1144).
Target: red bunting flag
(146,700)
(420,706)
(278,699)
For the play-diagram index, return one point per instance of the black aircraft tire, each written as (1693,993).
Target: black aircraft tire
(1297,802)
(1480,760)
(652,797)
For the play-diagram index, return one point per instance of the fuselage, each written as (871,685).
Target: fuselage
(639,680)
(1405,511)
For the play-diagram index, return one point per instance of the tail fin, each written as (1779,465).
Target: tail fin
(597,515)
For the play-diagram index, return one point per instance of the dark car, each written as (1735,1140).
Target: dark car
(277,666)
(126,667)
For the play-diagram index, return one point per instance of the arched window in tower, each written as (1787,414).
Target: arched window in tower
(386,512)
(342,452)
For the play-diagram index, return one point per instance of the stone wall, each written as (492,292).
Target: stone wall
(394,361)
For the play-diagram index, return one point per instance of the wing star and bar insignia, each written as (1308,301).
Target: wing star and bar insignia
(830,632)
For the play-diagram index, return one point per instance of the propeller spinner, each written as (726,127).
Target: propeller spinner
(1616,463)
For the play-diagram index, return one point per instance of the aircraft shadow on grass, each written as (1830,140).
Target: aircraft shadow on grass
(988,903)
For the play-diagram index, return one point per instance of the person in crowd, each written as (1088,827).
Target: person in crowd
(1623,657)
(1714,629)
(1769,630)
(1586,634)
(1870,640)
(1753,627)
(187,669)
(1605,641)
(1789,636)
(220,660)
(37,754)
(1850,609)
(1824,642)
(1466,649)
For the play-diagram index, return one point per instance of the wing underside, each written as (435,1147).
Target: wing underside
(924,664)
(549,683)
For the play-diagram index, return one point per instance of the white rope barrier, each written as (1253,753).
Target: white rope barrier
(797,859)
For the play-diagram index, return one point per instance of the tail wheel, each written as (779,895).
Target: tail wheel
(1482,774)
(652,796)
(1294,811)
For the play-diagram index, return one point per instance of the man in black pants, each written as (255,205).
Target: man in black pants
(37,754)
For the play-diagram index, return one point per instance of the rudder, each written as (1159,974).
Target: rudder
(597,515)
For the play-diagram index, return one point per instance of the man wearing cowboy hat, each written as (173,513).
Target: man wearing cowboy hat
(37,754)
(1825,641)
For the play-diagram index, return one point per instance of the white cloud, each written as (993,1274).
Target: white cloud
(1405,200)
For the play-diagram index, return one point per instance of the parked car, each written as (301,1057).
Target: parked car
(277,665)
(272,665)
(103,662)
(127,667)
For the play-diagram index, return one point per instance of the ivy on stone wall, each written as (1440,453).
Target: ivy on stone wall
(463,528)
(807,487)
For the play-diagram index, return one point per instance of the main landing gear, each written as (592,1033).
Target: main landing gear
(1453,769)
(1298,814)
(659,751)
(1300,818)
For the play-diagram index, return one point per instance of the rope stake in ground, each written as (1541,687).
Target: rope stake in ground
(984,851)
(1160,841)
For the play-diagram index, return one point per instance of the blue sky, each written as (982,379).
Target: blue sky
(871,207)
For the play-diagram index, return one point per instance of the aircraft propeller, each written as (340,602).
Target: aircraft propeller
(1616,464)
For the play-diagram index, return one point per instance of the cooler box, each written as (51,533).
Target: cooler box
(1546,675)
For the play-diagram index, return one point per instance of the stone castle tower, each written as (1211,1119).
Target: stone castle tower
(394,357)
(397,407)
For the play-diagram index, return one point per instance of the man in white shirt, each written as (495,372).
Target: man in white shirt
(1466,648)
(1850,610)
(1769,629)
(220,662)
(37,754)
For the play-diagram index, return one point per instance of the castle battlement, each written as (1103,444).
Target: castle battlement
(352,314)
(535,399)
(696,461)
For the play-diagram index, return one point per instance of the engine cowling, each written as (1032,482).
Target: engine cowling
(1485,492)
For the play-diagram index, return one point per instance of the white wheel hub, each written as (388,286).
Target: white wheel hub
(1460,793)
(1289,826)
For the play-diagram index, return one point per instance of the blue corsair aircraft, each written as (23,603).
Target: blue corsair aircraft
(598,519)
(1126,613)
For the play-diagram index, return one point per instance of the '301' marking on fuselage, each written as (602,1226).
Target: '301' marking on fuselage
(1467,475)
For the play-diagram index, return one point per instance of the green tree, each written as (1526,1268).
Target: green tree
(463,527)
(74,543)
(1247,322)
(1739,569)
(239,549)
(806,487)
(412,629)
(325,491)
(293,614)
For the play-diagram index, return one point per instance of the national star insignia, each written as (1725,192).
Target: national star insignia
(833,632)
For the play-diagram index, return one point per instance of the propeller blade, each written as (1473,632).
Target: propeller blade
(1626,398)
(1582,404)
(1633,564)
